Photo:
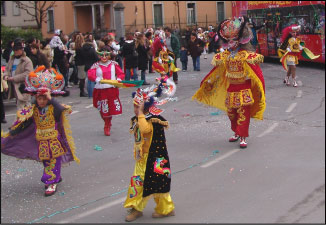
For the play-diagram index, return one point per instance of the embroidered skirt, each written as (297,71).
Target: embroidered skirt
(239,95)
(107,101)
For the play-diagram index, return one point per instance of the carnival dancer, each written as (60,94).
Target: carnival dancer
(42,131)
(152,173)
(290,50)
(106,96)
(236,84)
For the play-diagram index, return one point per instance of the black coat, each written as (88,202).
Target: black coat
(79,60)
(193,48)
(142,57)
(89,55)
(39,59)
(127,52)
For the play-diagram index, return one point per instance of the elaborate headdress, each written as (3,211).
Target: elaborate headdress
(41,80)
(150,96)
(286,31)
(234,32)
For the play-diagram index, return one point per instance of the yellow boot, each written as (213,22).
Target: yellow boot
(156,215)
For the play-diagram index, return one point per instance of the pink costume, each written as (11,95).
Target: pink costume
(106,96)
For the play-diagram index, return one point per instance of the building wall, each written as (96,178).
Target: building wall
(134,15)
(84,19)
(107,16)
(135,21)
(16,21)
(63,18)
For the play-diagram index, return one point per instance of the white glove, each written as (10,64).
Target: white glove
(98,79)
(288,49)
(118,79)
(160,60)
(221,50)
(300,47)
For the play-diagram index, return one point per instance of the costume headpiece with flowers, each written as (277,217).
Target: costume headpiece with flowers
(234,32)
(286,31)
(41,80)
(151,95)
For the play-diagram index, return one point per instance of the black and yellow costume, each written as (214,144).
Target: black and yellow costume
(152,174)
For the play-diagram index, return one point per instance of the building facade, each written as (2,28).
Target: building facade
(12,16)
(127,16)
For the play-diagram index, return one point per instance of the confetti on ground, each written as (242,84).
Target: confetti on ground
(7,172)
(98,148)
(215,113)
(186,115)
(21,170)
(216,151)
(231,170)
(62,193)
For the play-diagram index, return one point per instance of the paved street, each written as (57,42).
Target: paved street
(279,178)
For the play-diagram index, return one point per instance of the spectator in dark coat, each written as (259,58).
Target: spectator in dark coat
(173,44)
(90,57)
(142,51)
(79,62)
(131,57)
(195,49)
(187,36)
(8,50)
(38,58)
(184,58)
(29,43)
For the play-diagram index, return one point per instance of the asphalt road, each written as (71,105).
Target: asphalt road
(279,178)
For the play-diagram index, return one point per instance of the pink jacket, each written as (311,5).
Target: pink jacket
(109,71)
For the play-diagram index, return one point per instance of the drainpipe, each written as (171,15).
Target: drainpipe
(144,5)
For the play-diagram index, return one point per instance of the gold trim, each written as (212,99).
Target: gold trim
(70,139)
(164,123)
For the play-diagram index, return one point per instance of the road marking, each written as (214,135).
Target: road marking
(82,215)
(299,94)
(220,158)
(87,107)
(74,112)
(10,114)
(270,129)
(291,107)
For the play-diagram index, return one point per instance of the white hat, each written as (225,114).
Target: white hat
(57,31)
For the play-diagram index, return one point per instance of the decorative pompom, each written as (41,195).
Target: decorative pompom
(32,74)
(40,68)
(58,76)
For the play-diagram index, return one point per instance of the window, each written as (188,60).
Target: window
(191,13)
(220,11)
(158,15)
(3,8)
(15,9)
(50,21)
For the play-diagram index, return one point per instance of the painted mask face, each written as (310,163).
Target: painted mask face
(104,56)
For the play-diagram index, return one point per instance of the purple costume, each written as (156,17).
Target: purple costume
(42,134)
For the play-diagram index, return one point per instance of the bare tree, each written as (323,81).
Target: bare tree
(177,5)
(36,9)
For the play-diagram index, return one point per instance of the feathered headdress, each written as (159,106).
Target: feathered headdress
(235,31)
(286,31)
(41,80)
(150,96)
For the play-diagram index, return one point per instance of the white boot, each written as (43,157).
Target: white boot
(243,143)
